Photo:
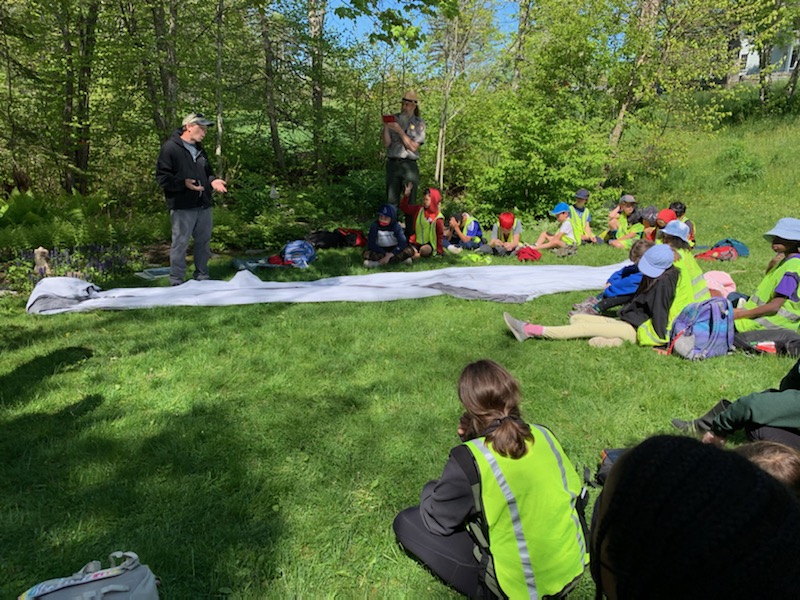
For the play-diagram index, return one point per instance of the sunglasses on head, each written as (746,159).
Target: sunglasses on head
(409,101)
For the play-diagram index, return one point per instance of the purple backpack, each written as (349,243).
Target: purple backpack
(703,329)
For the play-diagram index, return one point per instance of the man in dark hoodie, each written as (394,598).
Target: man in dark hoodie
(184,172)
(386,241)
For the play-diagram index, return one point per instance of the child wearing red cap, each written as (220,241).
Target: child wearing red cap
(505,236)
(428,222)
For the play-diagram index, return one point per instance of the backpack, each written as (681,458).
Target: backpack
(130,580)
(703,329)
(326,239)
(300,253)
(353,237)
(740,247)
(719,253)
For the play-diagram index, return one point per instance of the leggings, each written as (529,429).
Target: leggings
(588,326)
(450,557)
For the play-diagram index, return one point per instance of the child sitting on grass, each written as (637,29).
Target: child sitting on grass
(680,214)
(386,241)
(462,232)
(505,236)
(563,237)
(428,222)
(620,287)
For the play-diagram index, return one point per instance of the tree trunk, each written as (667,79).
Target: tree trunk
(523,24)
(166,106)
(269,89)
(67,112)
(791,86)
(316,22)
(87,23)
(764,75)
(633,95)
(220,170)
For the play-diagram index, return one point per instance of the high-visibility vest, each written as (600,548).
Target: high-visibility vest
(624,229)
(469,221)
(692,232)
(788,315)
(503,237)
(687,262)
(646,334)
(535,545)
(425,230)
(579,221)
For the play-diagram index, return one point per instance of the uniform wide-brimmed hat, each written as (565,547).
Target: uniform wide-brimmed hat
(411,95)
(677,229)
(656,260)
(786,229)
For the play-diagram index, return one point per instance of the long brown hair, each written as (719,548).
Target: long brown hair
(491,396)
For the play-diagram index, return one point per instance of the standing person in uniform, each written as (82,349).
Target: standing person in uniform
(403,134)
(184,173)
(506,517)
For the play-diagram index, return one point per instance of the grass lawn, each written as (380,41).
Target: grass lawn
(263,451)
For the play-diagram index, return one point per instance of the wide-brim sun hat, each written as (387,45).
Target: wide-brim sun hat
(786,229)
(656,260)
(677,229)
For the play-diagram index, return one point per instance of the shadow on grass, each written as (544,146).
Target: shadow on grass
(83,482)
(22,382)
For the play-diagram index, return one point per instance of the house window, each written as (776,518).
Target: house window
(743,62)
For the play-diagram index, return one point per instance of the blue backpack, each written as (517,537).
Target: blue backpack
(300,253)
(703,329)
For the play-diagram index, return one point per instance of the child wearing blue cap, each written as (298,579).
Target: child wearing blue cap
(565,235)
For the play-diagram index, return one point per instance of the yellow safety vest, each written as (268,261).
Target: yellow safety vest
(506,237)
(579,221)
(426,230)
(788,316)
(625,229)
(531,532)
(687,262)
(465,227)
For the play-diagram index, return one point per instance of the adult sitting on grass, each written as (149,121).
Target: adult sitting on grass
(646,319)
(775,305)
(428,222)
(506,517)
(771,415)
(681,519)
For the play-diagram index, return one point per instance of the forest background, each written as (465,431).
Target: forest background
(524,102)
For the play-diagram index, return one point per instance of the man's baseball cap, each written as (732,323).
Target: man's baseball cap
(196,119)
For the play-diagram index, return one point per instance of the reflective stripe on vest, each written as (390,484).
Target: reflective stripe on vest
(788,315)
(426,230)
(579,221)
(564,558)
(686,262)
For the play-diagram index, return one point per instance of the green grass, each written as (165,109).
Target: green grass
(263,451)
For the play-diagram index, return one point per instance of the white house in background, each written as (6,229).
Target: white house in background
(783,58)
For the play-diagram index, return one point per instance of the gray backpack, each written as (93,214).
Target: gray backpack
(130,580)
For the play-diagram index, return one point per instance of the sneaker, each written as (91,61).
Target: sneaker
(565,251)
(409,261)
(516,326)
(586,309)
(371,264)
(590,301)
(454,249)
(602,342)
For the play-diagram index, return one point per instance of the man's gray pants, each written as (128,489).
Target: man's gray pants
(188,223)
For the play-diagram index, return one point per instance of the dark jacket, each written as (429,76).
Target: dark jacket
(652,301)
(775,408)
(379,237)
(174,166)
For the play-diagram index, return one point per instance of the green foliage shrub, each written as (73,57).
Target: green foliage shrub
(739,164)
